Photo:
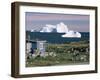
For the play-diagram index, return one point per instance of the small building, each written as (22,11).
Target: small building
(28,47)
(40,46)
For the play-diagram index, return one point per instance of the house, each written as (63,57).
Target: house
(40,47)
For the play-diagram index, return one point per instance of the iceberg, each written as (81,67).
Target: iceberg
(32,30)
(78,34)
(61,28)
(72,34)
(48,28)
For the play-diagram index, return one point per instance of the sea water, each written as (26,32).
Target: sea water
(56,38)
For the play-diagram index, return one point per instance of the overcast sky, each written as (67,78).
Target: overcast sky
(74,22)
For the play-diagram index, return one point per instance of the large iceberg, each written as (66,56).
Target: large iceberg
(72,34)
(61,28)
(48,28)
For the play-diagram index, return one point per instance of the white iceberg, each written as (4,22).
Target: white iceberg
(72,34)
(61,28)
(32,30)
(48,28)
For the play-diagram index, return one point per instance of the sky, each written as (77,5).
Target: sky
(76,22)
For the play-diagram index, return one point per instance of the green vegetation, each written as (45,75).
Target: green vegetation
(62,54)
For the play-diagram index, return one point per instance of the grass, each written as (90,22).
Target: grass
(63,57)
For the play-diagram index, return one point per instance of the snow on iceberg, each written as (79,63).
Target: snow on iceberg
(61,28)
